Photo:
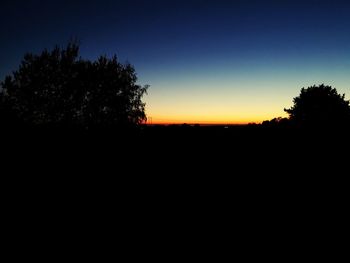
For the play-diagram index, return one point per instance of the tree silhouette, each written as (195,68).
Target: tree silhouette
(59,88)
(276,122)
(320,105)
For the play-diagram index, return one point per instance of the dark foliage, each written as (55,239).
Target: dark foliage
(320,106)
(59,89)
(277,122)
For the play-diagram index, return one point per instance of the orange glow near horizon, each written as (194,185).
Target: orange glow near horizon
(215,117)
(216,102)
(213,112)
(227,102)
(164,121)
(222,119)
(178,122)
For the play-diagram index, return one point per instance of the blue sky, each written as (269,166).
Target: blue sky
(206,61)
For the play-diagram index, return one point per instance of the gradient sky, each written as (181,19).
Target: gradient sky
(213,61)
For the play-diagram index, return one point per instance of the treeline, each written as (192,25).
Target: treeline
(59,89)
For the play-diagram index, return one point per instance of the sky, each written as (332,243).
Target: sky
(209,61)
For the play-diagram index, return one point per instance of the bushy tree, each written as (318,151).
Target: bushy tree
(320,105)
(276,122)
(59,88)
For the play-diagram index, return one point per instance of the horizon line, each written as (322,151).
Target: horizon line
(202,123)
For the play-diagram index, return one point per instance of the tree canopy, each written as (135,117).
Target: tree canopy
(320,105)
(59,88)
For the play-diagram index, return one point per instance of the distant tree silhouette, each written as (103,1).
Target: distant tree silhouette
(320,105)
(59,88)
(276,122)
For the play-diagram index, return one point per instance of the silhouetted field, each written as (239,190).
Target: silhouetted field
(162,169)
(177,145)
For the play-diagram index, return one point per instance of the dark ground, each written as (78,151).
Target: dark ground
(180,149)
(178,181)
(179,160)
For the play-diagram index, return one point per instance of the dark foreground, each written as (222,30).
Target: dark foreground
(165,149)
(178,160)
(176,181)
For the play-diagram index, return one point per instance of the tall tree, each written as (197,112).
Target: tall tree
(320,105)
(59,88)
